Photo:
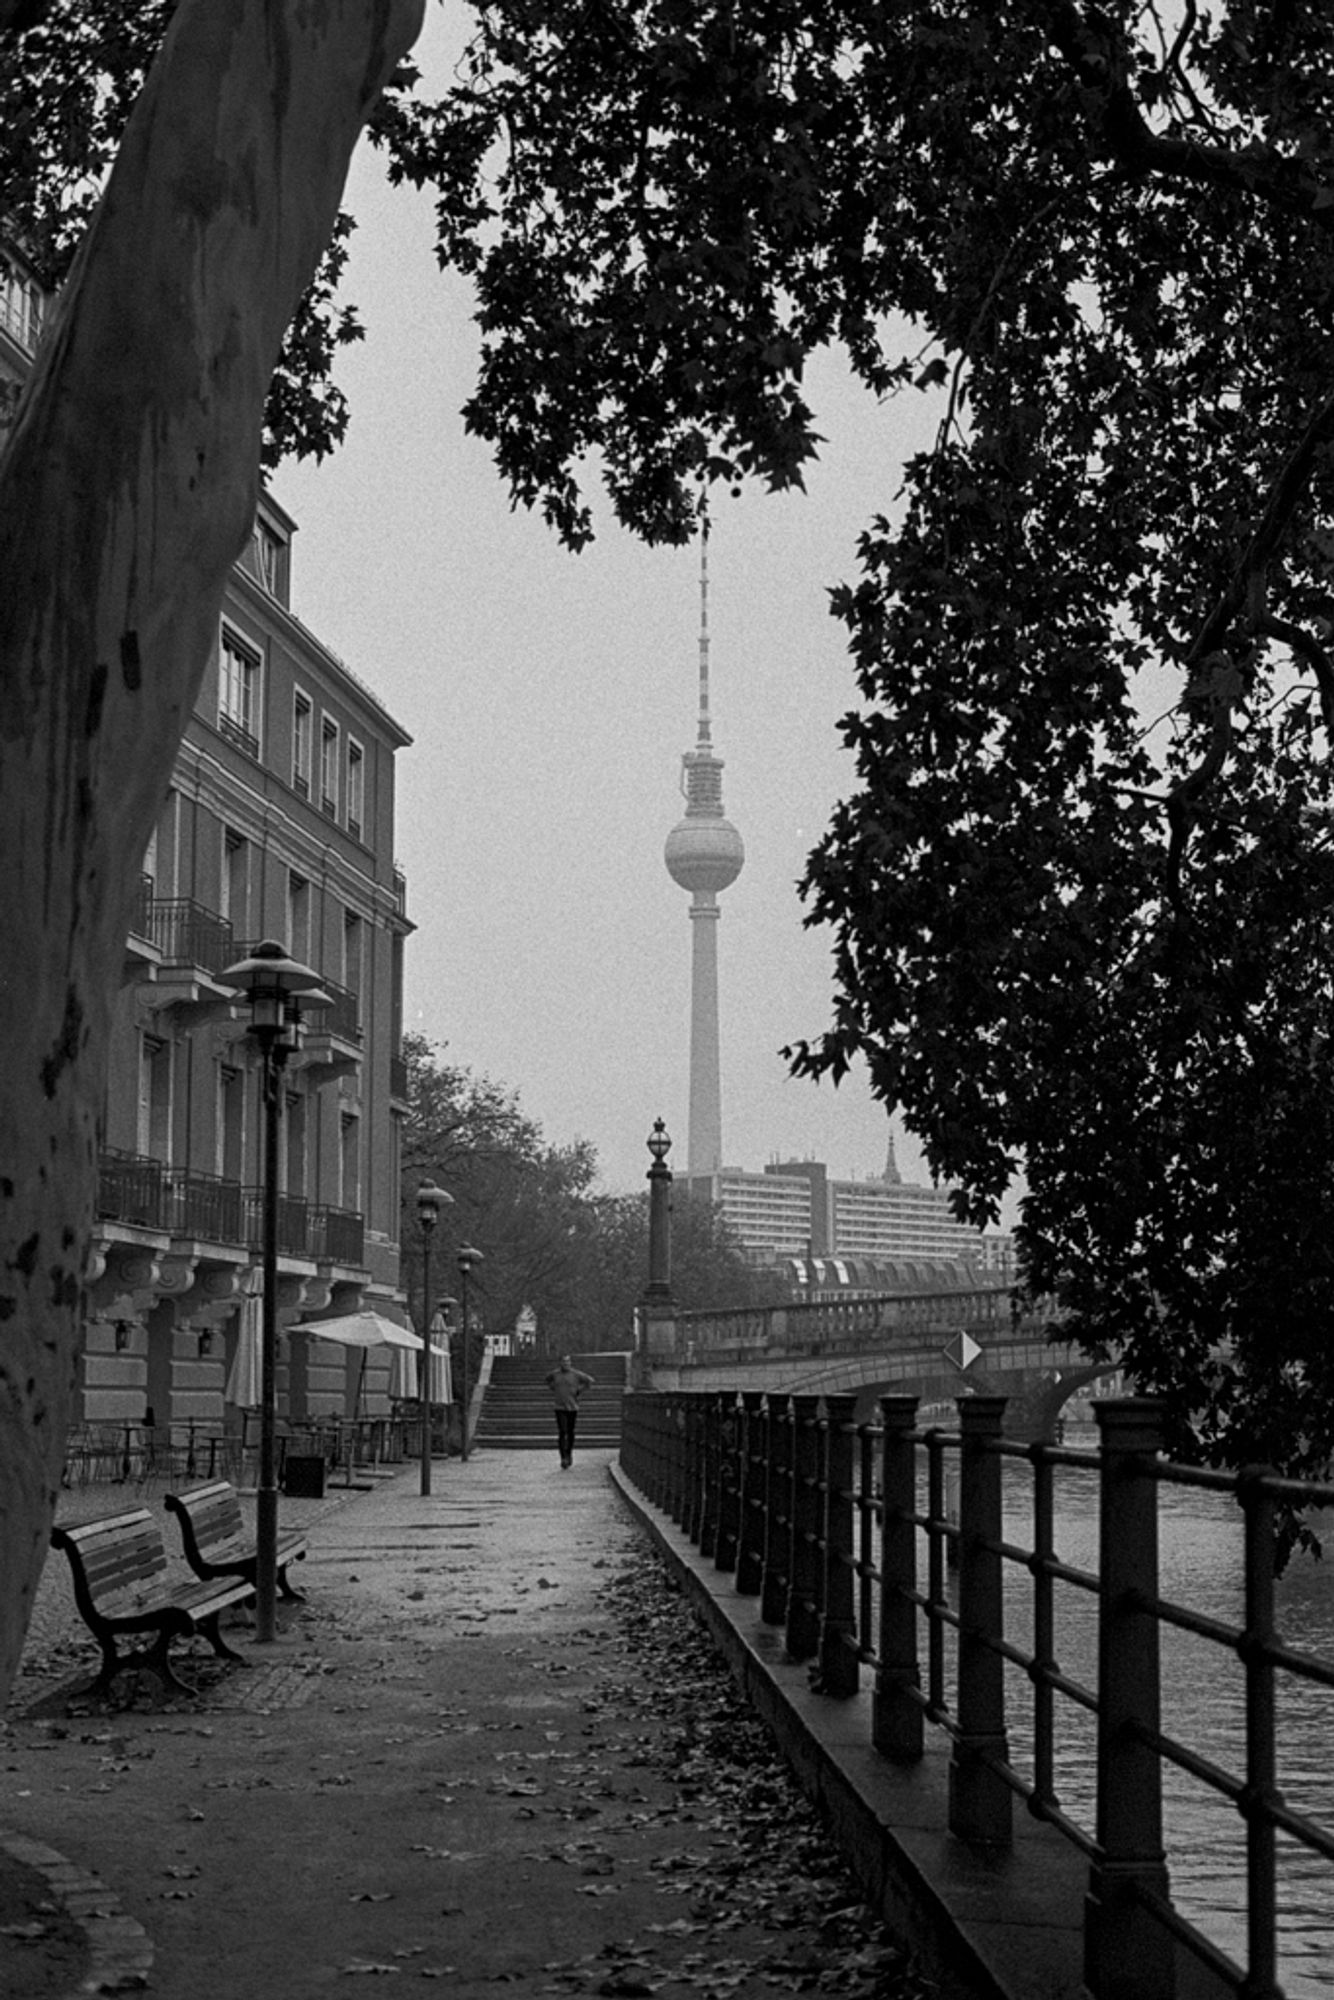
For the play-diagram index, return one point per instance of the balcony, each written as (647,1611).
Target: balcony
(341,1019)
(205,1208)
(192,945)
(188,935)
(132,1189)
(332,1042)
(142,956)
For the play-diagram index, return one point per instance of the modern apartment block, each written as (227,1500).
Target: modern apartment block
(795,1212)
(279,824)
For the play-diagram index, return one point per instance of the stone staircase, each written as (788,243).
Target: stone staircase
(517,1411)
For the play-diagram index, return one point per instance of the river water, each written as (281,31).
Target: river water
(1201,1568)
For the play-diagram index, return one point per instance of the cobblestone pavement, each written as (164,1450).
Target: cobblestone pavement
(492,1748)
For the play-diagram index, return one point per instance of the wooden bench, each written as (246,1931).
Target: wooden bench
(215,1539)
(121,1587)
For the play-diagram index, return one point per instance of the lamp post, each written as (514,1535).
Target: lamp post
(430,1200)
(658,1291)
(466,1259)
(441,1326)
(275,987)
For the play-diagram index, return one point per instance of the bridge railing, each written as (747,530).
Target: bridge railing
(881,1546)
(829,1326)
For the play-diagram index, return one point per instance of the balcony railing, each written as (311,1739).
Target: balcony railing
(237,733)
(188,934)
(208,1209)
(132,1189)
(338,1236)
(141,912)
(341,1018)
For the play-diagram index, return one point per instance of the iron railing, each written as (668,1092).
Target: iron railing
(187,934)
(342,1017)
(853,1541)
(180,1202)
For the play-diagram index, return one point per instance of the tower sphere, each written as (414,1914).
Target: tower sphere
(704,855)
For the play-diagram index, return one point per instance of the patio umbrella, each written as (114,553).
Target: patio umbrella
(403,1374)
(363,1329)
(243,1377)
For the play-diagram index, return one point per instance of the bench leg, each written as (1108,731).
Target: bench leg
(209,1628)
(154,1657)
(292,1595)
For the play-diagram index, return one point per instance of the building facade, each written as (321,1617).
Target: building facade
(279,824)
(795,1213)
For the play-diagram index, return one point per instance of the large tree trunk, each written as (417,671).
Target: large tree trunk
(126,493)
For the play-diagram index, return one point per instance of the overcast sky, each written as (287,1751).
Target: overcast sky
(550,697)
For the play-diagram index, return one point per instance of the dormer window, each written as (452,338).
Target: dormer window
(267,558)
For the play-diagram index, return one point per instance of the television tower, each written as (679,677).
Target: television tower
(704,854)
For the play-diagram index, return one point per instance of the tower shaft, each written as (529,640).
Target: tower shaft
(704,1142)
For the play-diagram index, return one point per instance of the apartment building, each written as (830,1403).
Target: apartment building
(795,1210)
(279,824)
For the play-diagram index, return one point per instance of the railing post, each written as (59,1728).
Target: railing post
(1262,1793)
(896,1709)
(979,1797)
(710,1427)
(692,1506)
(838,1622)
(1128,1955)
(729,1480)
(777,1523)
(750,1543)
(676,1457)
(802,1635)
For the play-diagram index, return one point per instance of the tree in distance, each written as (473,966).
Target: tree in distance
(551,1237)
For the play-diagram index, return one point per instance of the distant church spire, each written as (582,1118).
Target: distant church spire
(891,1174)
(704,854)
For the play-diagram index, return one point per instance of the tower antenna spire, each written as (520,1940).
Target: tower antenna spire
(705,727)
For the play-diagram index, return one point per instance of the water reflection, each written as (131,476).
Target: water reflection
(1203,1707)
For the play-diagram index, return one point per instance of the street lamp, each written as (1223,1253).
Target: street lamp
(467,1258)
(275,988)
(658,1291)
(430,1200)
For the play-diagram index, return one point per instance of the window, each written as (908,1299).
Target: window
(20,306)
(155,1097)
(329,768)
(356,788)
(269,550)
(302,730)
(235,879)
(352,948)
(230,1154)
(238,693)
(298,918)
(292,1169)
(349,1160)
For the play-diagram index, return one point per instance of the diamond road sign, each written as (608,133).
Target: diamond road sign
(963,1351)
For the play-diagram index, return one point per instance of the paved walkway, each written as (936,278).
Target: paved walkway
(457,1761)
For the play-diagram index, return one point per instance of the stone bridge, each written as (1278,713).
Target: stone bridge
(932,1345)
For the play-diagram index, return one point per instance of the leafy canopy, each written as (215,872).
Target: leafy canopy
(1082,892)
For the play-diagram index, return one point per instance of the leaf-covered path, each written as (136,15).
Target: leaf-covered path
(493,1749)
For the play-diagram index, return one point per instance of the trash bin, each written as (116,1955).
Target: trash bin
(303,1478)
